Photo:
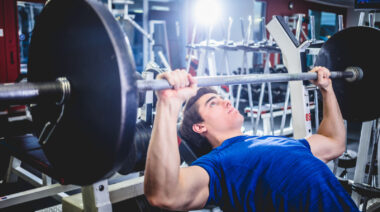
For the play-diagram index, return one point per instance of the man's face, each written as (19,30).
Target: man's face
(218,113)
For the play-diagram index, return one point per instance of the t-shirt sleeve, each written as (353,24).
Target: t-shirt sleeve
(209,162)
(305,143)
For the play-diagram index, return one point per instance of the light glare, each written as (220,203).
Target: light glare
(207,11)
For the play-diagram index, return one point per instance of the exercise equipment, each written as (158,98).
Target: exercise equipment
(81,41)
(140,144)
(82,89)
(351,73)
(354,47)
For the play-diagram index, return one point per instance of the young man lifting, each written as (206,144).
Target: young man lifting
(239,172)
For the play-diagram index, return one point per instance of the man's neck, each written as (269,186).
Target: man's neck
(217,140)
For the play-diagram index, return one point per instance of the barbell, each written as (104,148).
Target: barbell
(82,89)
(59,91)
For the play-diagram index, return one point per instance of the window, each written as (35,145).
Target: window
(326,24)
(27,15)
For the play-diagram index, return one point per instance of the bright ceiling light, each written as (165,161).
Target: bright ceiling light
(207,11)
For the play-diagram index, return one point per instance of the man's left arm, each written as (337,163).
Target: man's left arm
(330,140)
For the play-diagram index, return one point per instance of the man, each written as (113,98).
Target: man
(242,173)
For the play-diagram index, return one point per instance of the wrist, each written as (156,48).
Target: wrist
(326,90)
(174,105)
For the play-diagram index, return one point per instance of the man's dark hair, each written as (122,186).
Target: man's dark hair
(197,143)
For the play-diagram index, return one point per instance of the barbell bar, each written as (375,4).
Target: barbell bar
(80,41)
(59,91)
(29,93)
(350,74)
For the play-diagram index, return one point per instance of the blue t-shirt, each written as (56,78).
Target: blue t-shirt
(249,173)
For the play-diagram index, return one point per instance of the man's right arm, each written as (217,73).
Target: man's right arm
(166,185)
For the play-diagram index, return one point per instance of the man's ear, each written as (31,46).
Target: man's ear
(199,128)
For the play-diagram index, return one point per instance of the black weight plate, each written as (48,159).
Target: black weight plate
(141,142)
(356,46)
(80,40)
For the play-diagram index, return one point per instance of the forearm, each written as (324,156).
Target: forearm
(163,160)
(332,125)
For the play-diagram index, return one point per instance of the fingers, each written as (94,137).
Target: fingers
(183,79)
(178,79)
(321,75)
(323,80)
(321,69)
(322,72)
(193,82)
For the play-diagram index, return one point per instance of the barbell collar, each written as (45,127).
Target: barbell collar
(66,89)
(357,73)
(33,92)
(246,79)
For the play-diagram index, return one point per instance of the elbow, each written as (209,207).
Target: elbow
(340,144)
(153,201)
(161,197)
(151,194)
(160,202)
(340,148)
(158,198)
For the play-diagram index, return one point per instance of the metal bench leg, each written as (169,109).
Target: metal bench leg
(13,164)
(96,197)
